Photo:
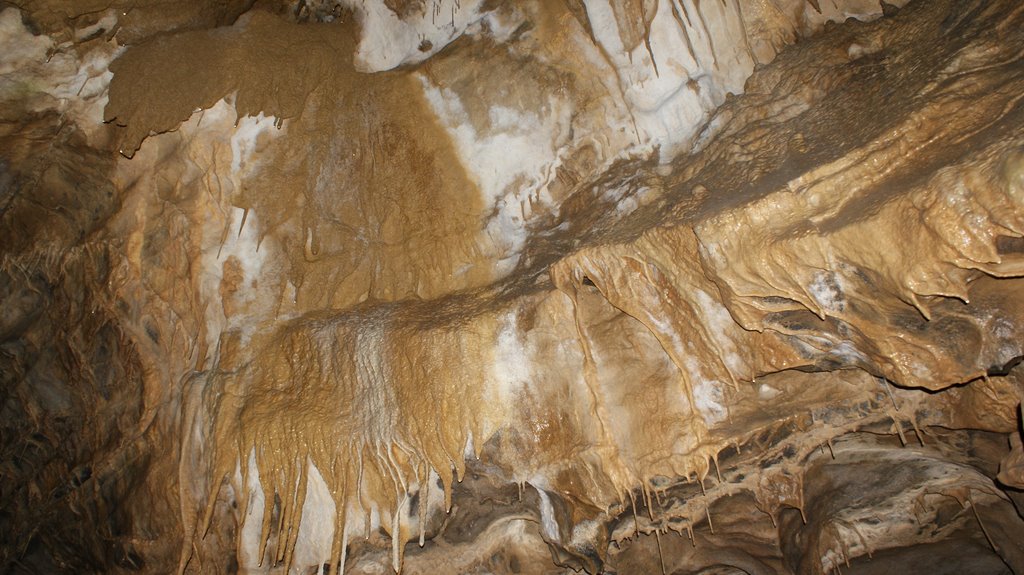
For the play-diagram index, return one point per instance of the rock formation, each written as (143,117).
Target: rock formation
(549,286)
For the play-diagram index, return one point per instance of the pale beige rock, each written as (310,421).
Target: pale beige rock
(541,297)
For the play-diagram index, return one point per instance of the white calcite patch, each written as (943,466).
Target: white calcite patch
(693,55)
(766,392)
(252,518)
(86,89)
(315,539)
(105,24)
(19,47)
(319,516)
(244,140)
(842,350)
(710,401)
(244,247)
(44,75)
(826,290)
(721,327)
(672,81)
(708,395)
(389,41)
(242,243)
(548,523)
(1004,332)
(510,372)
(584,532)
(511,162)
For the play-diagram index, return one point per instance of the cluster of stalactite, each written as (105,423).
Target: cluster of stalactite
(271,308)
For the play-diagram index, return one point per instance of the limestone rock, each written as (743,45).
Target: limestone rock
(619,286)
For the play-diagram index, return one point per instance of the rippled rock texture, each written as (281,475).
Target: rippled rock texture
(651,286)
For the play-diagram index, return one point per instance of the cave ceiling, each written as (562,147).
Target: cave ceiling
(483,287)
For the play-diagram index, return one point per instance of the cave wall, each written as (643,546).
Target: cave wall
(620,286)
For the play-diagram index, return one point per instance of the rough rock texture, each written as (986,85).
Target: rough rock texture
(622,286)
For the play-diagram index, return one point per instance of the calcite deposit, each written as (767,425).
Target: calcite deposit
(542,287)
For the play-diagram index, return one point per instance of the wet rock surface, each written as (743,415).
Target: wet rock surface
(545,287)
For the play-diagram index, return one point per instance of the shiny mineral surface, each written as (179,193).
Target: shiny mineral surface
(541,287)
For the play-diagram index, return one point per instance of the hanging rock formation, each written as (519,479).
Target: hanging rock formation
(614,286)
